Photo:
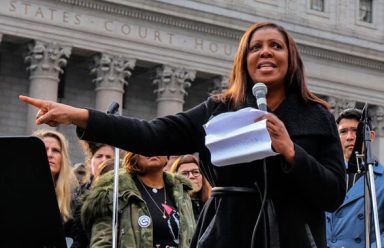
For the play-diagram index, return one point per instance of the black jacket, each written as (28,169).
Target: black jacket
(300,194)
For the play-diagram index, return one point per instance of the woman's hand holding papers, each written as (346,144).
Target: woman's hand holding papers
(281,142)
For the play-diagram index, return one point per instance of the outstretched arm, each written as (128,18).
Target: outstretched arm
(53,113)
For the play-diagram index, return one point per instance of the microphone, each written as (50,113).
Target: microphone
(259,90)
(113,108)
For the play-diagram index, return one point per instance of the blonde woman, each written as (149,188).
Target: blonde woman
(293,189)
(65,182)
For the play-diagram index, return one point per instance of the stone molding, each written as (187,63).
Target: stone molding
(172,82)
(47,58)
(220,31)
(157,18)
(340,57)
(111,71)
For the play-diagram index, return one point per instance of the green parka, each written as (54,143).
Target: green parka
(96,213)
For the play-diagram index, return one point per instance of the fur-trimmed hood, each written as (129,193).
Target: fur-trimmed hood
(98,202)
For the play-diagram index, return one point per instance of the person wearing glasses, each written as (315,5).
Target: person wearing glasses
(188,166)
(293,189)
(154,206)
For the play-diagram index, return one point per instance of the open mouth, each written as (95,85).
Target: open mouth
(263,65)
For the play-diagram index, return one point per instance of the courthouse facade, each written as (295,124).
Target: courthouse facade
(159,57)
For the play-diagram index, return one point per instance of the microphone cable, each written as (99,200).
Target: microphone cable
(264,197)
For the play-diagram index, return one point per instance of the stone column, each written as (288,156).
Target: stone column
(46,60)
(219,85)
(172,83)
(377,120)
(111,74)
(338,105)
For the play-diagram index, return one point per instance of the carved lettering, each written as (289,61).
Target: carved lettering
(170,38)
(157,36)
(12,7)
(65,17)
(227,50)
(143,34)
(213,47)
(77,20)
(26,8)
(114,28)
(39,12)
(108,26)
(125,29)
(199,44)
(52,13)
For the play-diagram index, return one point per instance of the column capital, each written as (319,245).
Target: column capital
(219,84)
(339,104)
(377,120)
(172,82)
(47,58)
(112,71)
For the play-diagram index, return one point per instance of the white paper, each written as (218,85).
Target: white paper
(235,137)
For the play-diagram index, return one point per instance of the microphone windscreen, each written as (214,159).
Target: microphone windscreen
(259,88)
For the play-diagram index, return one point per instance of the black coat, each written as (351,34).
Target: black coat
(300,194)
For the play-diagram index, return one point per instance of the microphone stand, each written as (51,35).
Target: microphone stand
(370,200)
(113,109)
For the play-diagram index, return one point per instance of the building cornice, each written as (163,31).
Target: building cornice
(341,58)
(158,18)
(232,34)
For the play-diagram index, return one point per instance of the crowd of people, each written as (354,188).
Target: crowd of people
(280,201)
(156,206)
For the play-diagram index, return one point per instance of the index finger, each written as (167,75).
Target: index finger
(33,101)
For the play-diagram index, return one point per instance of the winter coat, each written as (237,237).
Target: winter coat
(345,226)
(73,228)
(134,226)
(299,194)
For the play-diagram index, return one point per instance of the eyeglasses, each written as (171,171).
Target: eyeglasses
(194,173)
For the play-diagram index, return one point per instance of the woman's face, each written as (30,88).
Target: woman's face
(104,153)
(267,59)
(53,148)
(192,172)
(152,163)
